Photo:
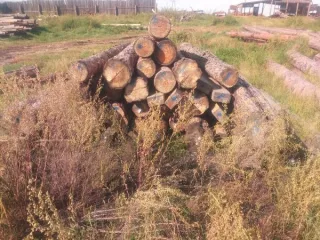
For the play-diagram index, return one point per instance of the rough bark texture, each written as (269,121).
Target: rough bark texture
(144,47)
(221,95)
(317,58)
(87,68)
(146,67)
(187,73)
(297,84)
(165,81)
(165,53)
(159,27)
(304,63)
(119,69)
(141,109)
(174,99)
(136,90)
(218,70)
(260,36)
(201,101)
(156,99)
(314,43)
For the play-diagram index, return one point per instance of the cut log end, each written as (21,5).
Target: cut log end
(174,99)
(221,96)
(164,80)
(201,101)
(117,74)
(230,77)
(187,73)
(159,27)
(218,113)
(141,109)
(144,47)
(136,90)
(79,72)
(146,67)
(157,99)
(165,52)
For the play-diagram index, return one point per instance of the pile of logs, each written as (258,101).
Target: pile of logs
(13,24)
(152,71)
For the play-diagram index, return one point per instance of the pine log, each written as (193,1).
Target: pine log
(304,63)
(200,101)
(136,90)
(119,69)
(165,53)
(156,99)
(219,113)
(144,47)
(87,68)
(174,99)
(159,27)
(314,43)
(218,70)
(119,108)
(285,31)
(259,36)
(221,95)
(317,58)
(297,84)
(15,16)
(207,85)
(187,73)
(146,67)
(165,81)
(141,109)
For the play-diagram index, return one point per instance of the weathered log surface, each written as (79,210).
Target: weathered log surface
(141,109)
(165,53)
(201,101)
(119,69)
(136,90)
(260,36)
(156,99)
(174,99)
(146,67)
(187,73)
(221,95)
(144,47)
(314,43)
(85,69)
(218,70)
(159,27)
(304,64)
(207,85)
(297,84)
(317,58)
(219,113)
(165,81)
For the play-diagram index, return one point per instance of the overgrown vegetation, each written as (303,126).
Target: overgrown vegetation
(70,171)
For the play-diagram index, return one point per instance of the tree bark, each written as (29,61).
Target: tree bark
(165,53)
(260,36)
(156,99)
(165,81)
(144,47)
(159,27)
(314,44)
(136,90)
(174,99)
(119,69)
(304,63)
(218,70)
(297,84)
(141,109)
(200,101)
(146,67)
(187,73)
(86,69)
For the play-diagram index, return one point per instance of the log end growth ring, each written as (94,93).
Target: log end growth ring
(144,47)
(117,74)
(79,72)
(230,77)
(165,53)
(159,26)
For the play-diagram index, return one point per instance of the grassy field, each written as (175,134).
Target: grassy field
(54,170)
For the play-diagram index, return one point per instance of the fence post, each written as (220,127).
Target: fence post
(58,10)
(76,10)
(136,9)
(40,9)
(117,11)
(21,9)
(96,9)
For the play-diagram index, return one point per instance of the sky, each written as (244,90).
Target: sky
(206,5)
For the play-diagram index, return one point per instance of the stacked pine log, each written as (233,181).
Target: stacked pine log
(12,24)
(153,72)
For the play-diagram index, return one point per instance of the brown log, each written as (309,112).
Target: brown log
(200,101)
(159,27)
(141,109)
(304,63)
(297,84)
(187,73)
(273,30)
(259,36)
(87,68)
(221,95)
(317,58)
(136,90)
(165,81)
(165,53)
(220,132)
(144,47)
(156,99)
(119,108)
(174,99)
(108,94)
(219,113)
(314,43)
(146,67)
(218,70)
(119,69)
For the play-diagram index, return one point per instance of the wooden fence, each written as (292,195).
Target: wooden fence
(78,7)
